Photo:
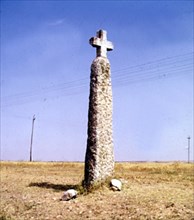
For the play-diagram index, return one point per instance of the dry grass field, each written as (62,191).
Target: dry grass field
(150,191)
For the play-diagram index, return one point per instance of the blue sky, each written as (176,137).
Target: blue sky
(45,70)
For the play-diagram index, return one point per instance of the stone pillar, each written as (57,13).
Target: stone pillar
(99,160)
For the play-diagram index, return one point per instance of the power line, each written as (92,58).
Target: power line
(135,74)
(73,89)
(75,83)
(163,60)
(151,70)
(147,78)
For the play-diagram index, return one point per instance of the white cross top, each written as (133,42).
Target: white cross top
(101,43)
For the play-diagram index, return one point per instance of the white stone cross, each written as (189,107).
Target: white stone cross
(101,43)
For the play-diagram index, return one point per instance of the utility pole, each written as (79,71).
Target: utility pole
(33,119)
(189,138)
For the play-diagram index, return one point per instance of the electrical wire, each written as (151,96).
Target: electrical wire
(157,69)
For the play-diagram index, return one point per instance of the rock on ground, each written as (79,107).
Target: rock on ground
(69,194)
(116,184)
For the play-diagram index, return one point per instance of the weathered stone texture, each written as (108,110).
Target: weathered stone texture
(99,161)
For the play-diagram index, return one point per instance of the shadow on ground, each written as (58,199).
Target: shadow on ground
(56,187)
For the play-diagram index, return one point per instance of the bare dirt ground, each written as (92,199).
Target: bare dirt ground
(150,191)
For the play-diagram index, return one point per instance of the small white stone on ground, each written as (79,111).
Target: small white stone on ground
(116,184)
(69,194)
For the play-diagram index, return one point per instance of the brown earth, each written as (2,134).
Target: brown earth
(150,191)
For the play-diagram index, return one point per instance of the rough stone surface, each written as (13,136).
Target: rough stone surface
(116,185)
(69,194)
(99,161)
